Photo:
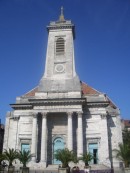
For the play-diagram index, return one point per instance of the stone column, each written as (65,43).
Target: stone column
(17,139)
(70,131)
(80,135)
(43,138)
(34,138)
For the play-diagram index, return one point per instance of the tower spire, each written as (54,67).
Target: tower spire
(61,18)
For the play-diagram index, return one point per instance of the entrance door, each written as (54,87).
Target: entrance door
(58,144)
(93,149)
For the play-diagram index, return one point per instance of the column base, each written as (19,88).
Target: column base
(33,159)
(37,166)
(106,163)
(79,154)
(42,164)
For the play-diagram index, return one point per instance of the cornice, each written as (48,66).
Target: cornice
(65,26)
(58,101)
(46,102)
(64,101)
(21,106)
(62,26)
(97,104)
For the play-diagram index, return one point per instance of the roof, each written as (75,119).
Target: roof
(86,91)
(31,92)
(127,123)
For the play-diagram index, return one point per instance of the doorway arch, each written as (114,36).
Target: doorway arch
(58,144)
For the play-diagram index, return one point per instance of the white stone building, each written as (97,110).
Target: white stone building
(62,111)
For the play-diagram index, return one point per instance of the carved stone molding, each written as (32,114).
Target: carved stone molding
(44,114)
(103,116)
(69,114)
(16,118)
(79,113)
(34,115)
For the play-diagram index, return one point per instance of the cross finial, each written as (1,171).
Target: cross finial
(61,18)
(62,11)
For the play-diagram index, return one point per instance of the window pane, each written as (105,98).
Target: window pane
(25,147)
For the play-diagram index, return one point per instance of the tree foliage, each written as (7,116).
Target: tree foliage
(10,155)
(24,157)
(1,158)
(65,156)
(123,153)
(87,157)
(126,136)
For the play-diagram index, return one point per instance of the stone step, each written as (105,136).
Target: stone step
(52,167)
(99,167)
(93,167)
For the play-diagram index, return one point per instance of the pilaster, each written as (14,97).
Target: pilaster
(104,140)
(80,135)
(70,131)
(34,137)
(44,138)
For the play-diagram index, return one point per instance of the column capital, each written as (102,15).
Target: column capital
(69,114)
(44,114)
(79,113)
(103,116)
(16,118)
(34,115)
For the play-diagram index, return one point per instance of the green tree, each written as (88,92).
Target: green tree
(24,157)
(10,155)
(123,153)
(126,136)
(1,158)
(87,157)
(65,156)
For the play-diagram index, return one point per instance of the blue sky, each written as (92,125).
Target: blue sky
(102,46)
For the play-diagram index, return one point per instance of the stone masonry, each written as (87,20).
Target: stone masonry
(62,111)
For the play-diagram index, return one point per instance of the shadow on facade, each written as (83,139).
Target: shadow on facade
(110,124)
(39,124)
(74,125)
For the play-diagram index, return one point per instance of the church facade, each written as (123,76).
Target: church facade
(62,111)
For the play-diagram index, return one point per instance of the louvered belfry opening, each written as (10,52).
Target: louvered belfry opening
(60,46)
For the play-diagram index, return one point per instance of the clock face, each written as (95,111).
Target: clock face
(59,68)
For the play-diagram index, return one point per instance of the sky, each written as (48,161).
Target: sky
(102,46)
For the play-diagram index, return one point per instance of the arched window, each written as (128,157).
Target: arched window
(60,46)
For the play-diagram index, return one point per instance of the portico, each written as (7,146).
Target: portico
(57,124)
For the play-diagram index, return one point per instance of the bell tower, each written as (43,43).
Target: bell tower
(60,75)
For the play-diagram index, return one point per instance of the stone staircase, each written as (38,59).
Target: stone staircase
(93,167)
